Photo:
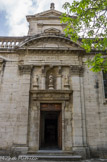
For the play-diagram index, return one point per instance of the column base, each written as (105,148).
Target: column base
(82,151)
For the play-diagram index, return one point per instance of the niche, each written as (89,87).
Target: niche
(51,76)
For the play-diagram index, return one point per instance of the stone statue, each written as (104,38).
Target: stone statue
(35,82)
(51,81)
(66,82)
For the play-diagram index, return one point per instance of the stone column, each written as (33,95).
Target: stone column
(43,79)
(59,82)
(59,79)
(43,82)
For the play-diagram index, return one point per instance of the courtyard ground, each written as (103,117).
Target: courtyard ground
(88,160)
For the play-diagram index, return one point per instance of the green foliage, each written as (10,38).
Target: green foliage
(88,19)
(96,64)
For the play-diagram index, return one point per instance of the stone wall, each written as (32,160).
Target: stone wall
(85,114)
(96,112)
(14,102)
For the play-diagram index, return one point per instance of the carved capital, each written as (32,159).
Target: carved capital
(76,69)
(25,68)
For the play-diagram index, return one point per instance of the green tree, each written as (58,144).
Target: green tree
(87,19)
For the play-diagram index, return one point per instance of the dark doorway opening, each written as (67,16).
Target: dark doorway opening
(51,134)
(50,130)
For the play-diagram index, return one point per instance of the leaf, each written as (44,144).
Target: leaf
(89,19)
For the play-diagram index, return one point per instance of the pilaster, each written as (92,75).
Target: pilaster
(78,112)
(25,77)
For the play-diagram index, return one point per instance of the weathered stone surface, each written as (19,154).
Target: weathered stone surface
(24,85)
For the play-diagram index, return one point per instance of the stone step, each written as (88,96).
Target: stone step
(49,157)
(49,152)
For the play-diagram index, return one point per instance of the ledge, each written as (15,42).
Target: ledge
(51,95)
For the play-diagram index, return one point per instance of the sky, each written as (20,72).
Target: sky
(13,14)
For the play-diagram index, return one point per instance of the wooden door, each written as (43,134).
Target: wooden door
(60,130)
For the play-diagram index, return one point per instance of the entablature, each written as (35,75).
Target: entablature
(51,95)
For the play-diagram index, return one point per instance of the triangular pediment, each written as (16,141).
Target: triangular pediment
(49,13)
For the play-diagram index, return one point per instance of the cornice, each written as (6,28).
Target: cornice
(30,18)
(51,24)
(52,49)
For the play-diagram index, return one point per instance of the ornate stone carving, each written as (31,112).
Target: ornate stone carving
(52,30)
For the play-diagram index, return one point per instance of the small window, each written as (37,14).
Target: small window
(105,84)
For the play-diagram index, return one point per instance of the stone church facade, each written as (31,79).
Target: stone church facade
(49,99)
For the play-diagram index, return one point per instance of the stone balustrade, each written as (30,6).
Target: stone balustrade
(10,42)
